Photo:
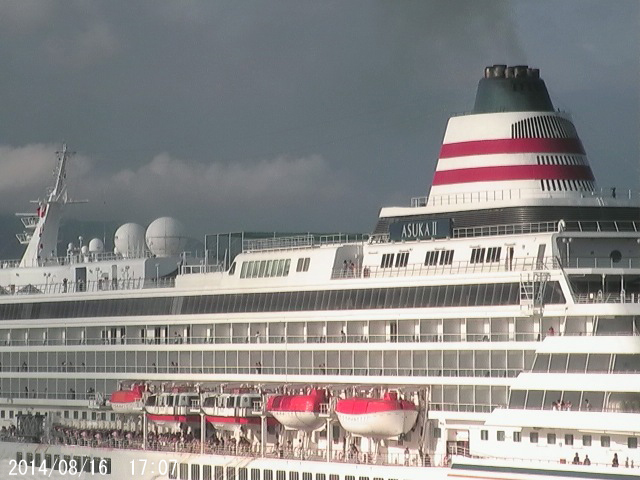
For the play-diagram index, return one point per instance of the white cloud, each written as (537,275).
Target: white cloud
(249,194)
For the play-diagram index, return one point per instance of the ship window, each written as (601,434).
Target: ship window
(533,437)
(477,255)
(281,475)
(568,439)
(551,438)
(632,442)
(402,259)
(206,472)
(219,472)
(534,399)
(334,477)
(553,400)
(558,363)
(484,434)
(586,440)
(517,398)
(432,258)
(493,254)
(293,476)
(307,476)
(605,441)
(303,264)
(627,363)
(321,476)
(231,473)
(242,473)
(517,437)
(500,435)
(598,363)
(446,258)
(387,260)
(577,363)
(287,264)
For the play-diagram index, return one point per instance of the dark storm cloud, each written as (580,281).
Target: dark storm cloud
(229,115)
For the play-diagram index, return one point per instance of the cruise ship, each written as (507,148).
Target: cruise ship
(489,330)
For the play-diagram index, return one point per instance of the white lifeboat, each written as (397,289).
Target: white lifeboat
(377,417)
(128,400)
(174,409)
(299,412)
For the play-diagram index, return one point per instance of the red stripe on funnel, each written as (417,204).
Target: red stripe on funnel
(512,145)
(514,172)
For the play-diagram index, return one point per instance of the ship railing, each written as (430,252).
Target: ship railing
(610,195)
(90,286)
(465,407)
(203,268)
(624,407)
(72,259)
(505,229)
(301,241)
(600,297)
(522,461)
(454,268)
(601,262)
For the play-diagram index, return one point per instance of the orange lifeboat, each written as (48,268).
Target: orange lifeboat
(129,400)
(377,417)
(298,412)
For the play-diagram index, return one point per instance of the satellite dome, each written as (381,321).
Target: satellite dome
(129,240)
(96,246)
(84,249)
(165,237)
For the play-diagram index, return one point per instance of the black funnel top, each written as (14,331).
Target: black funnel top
(512,89)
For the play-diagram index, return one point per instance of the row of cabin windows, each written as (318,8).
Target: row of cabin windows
(303,264)
(439,257)
(267,268)
(402,260)
(552,438)
(485,255)
(65,464)
(210,472)
(436,257)
(586,363)
(371,298)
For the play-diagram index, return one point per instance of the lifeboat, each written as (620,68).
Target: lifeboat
(375,417)
(174,409)
(231,411)
(298,412)
(129,400)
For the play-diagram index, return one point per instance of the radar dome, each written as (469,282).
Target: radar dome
(165,237)
(129,240)
(96,246)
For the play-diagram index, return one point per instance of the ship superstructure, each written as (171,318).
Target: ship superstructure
(489,327)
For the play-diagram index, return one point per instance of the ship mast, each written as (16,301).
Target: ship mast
(42,241)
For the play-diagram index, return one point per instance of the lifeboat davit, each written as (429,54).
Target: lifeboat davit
(231,411)
(298,412)
(375,417)
(174,409)
(130,400)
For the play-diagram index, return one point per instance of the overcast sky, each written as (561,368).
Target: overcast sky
(287,115)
